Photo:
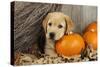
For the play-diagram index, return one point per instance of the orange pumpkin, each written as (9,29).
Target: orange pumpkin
(70,45)
(90,38)
(91,26)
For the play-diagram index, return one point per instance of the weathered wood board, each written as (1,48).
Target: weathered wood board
(26,26)
(81,15)
(28,19)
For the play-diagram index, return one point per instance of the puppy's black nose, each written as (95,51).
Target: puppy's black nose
(52,35)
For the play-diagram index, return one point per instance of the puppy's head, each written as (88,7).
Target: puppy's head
(57,24)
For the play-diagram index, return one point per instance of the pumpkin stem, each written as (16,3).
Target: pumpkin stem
(70,32)
(92,30)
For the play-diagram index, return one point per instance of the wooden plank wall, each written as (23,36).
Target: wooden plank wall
(81,15)
(28,19)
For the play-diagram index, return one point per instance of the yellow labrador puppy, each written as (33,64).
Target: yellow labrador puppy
(55,24)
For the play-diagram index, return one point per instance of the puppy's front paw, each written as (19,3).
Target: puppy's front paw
(51,53)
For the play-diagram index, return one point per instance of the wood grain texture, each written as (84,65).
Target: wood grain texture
(81,15)
(28,19)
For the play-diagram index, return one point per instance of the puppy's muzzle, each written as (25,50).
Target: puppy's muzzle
(52,35)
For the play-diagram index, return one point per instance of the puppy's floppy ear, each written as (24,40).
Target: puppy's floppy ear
(69,24)
(44,23)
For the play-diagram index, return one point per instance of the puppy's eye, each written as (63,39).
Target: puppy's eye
(60,26)
(50,24)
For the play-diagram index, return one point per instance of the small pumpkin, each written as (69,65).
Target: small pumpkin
(90,38)
(92,26)
(70,45)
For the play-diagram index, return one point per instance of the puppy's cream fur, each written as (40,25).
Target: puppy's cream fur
(59,24)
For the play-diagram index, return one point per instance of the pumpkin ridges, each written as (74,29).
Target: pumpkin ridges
(90,35)
(69,45)
(90,38)
(91,26)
